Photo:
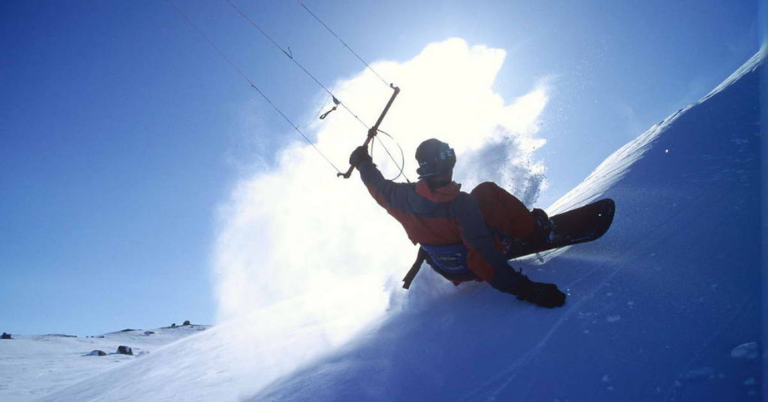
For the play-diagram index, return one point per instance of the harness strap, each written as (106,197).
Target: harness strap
(420,258)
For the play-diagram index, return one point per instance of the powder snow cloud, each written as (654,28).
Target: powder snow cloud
(296,231)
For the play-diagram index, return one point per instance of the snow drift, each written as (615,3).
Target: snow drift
(666,306)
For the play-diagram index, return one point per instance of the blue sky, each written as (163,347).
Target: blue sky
(124,132)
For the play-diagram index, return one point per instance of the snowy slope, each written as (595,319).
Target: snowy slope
(33,366)
(665,307)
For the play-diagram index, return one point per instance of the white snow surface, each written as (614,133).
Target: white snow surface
(33,366)
(665,307)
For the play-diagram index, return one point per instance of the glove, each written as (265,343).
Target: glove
(542,294)
(359,155)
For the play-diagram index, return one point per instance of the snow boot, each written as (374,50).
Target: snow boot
(543,232)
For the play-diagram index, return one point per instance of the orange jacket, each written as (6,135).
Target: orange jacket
(443,217)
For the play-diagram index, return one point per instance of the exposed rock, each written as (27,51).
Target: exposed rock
(97,353)
(6,336)
(124,350)
(148,333)
(187,322)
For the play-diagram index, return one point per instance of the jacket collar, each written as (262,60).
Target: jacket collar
(442,194)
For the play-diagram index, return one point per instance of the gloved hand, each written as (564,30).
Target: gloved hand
(542,294)
(359,155)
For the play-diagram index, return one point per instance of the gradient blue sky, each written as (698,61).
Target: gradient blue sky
(123,131)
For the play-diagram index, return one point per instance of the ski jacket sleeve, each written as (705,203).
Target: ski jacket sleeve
(386,192)
(396,198)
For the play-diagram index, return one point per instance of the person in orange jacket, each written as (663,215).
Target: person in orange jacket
(465,236)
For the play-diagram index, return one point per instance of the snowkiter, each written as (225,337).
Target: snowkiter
(463,236)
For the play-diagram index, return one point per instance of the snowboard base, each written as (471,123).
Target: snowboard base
(580,225)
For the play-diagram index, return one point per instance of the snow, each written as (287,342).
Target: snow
(748,350)
(655,307)
(33,366)
(665,307)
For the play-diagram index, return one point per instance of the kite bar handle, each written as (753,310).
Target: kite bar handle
(375,129)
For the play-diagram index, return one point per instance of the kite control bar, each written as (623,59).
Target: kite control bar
(373,130)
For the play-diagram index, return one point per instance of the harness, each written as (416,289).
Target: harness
(449,261)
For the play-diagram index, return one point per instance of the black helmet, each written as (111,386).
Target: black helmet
(435,158)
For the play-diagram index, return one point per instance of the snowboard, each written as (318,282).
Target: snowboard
(579,225)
